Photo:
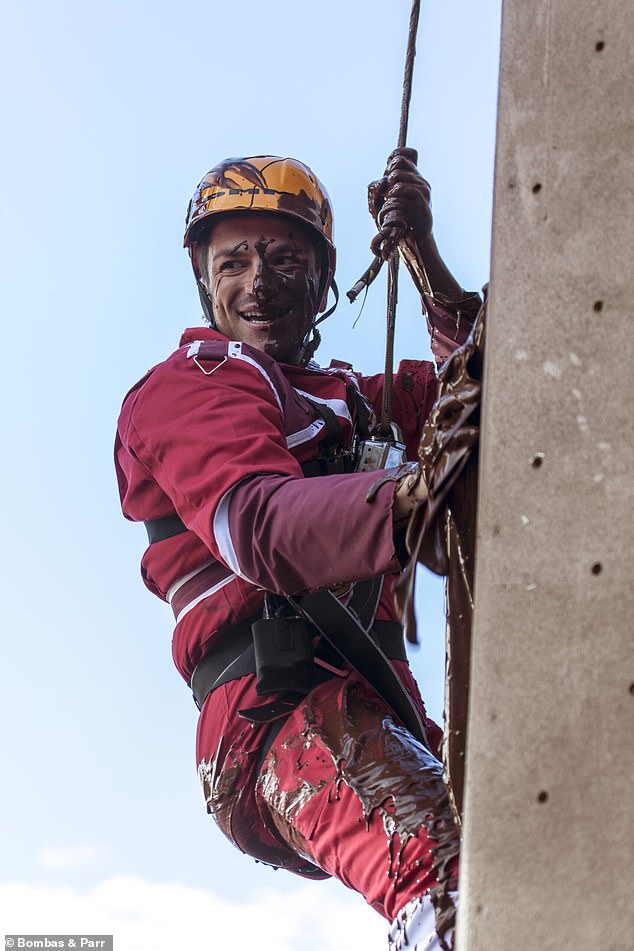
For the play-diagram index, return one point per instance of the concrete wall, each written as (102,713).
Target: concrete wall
(549,802)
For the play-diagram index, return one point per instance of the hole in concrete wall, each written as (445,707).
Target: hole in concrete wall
(632,689)
(537,188)
(597,568)
(543,796)
(599,46)
(538,460)
(598,306)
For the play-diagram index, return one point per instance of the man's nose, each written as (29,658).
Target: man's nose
(264,285)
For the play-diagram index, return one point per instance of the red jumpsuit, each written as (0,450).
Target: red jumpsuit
(216,434)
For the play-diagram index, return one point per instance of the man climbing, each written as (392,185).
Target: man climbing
(276,535)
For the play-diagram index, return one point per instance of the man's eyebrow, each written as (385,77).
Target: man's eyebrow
(227,251)
(285,244)
(288,245)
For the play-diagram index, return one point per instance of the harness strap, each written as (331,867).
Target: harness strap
(332,425)
(160,528)
(334,463)
(332,459)
(232,656)
(342,629)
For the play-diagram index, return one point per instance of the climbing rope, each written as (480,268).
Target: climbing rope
(385,427)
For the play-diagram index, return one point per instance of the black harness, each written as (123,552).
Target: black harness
(349,636)
(233,656)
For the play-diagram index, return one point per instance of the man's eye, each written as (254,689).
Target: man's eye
(228,266)
(287,260)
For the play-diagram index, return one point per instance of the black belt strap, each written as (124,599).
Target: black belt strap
(232,656)
(160,528)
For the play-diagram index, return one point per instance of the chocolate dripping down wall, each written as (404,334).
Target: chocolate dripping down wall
(549,814)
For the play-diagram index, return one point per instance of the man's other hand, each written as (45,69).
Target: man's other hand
(400,202)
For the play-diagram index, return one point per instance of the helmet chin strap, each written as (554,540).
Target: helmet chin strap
(310,346)
(335,290)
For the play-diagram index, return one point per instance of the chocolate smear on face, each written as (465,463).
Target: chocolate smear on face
(261,246)
(294,288)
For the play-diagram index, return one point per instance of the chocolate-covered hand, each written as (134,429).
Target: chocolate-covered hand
(400,202)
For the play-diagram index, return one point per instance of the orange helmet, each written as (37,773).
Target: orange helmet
(264,183)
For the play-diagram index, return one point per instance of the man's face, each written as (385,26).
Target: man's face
(262,274)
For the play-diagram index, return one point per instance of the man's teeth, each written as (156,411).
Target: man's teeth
(262,318)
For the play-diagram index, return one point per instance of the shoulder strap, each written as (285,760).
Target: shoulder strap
(333,427)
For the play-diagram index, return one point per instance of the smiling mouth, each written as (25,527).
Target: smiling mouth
(263,317)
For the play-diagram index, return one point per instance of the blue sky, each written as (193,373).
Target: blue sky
(111,116)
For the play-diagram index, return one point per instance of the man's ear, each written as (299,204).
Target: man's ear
(199,251)
(206,303)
